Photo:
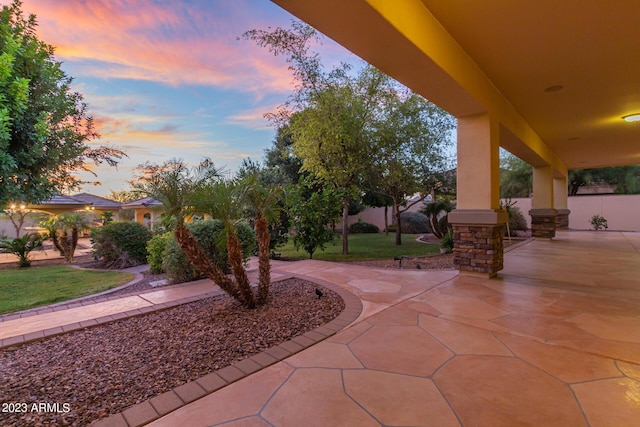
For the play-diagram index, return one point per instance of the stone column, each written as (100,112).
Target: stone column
(543,223)
(543,214)
(562,219)
(478,241)
(478,222)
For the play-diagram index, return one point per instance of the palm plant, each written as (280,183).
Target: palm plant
(262,203)
(223,200)
(51,225)
(22,247)
(64,231)
(71,226)
(439,227)
(175,185)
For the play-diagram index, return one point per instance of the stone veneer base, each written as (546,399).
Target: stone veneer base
(543,223)
(478,248)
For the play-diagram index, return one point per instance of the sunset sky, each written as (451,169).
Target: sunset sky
(169,79)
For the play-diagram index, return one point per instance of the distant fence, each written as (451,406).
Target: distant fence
(622,212)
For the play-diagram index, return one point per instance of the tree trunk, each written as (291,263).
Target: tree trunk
(398,228)
(435,226)
(193,250)
(18,225)
(345,227)
(264,266)
(66,244)
(396,208)
(56,242)
(234,253)
(74,242)
(386,220)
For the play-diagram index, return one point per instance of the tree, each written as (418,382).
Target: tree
(268,177)
(282,160)
(333,135)
(329,113)
(175,185)
(71,226)
(377,199)
(516,176)
(263,203)
(439,226)
(17,215)
(44,125)
(623,179)
(21,247)
(341,123)
(410,136)
(224,200)
(64,230)
(312,210)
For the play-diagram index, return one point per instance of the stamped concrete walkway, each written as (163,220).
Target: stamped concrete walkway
(554,341)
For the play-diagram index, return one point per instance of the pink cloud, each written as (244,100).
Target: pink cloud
(174,42)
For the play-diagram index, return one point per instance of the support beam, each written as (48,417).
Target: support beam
(543,214)
(561,203)
(478,222)
(478,163)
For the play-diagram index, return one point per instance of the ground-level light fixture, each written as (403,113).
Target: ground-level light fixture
(635,117)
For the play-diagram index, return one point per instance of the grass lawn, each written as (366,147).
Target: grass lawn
(36,286)
(364,247)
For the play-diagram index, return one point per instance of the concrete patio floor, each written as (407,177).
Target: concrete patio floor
(553,341)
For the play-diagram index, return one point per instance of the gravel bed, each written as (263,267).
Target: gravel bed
(103,370)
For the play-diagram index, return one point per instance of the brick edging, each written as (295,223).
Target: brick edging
(159,406)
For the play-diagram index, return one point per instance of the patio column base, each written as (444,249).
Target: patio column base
(478,246)
(562,220)
(543,223)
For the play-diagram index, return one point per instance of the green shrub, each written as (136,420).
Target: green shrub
(121,244)
(599,222)
(176,264)
(362,227)
(447,241)
(414,223)
(21,247)
(210,234)
(155,251)
(517,221)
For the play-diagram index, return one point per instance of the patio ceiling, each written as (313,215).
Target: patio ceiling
(499,56)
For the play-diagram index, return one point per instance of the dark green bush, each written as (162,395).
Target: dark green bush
(210,234)
(447,242)
(517,221)
(121,244)
(362,227)
(598,222)
(414,223)
(156,248)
